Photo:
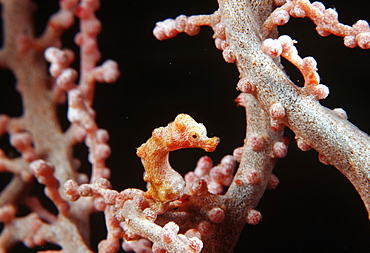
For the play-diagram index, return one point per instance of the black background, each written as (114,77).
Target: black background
(315,208)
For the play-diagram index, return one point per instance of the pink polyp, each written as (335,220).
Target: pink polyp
(216,215)
(237,153)
(277,111)
(253,217)
(281,17)
(203,167)
(228,55)
(363,40)
(253,176)
(273,182)
(255,142)
(245,86)
(272,48)
(280,150)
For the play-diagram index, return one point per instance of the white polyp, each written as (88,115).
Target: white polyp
(41,168)
(320,91)
(165,29)
(272,48)
(75,99)
(108,72)
(66,79)
(279,150)
(199,187)
(276,125)
(253,217)
(228,55)
(203,166)
(190,233)
(190,178)
(219,43)
(216,215)
(228,164)
(241,100)
(21,141)
(286,42)
(169,231)
(237,153)
(310,63)
(102,135)
(220,33)
(192,29)
(302,145)
(102,151)
(253,176)
(318,5)
(215,188)
(93,26)
(78,111)
(55,69)
(216,174)
(273,182)
(99,204)
(55,55)
(90,45)
(168,27)
(340,113)
(180,23)
(323,159)
(363,40)
(281,17)
(322,31)
(361,26)
(277,111)
(70,189)
(350,41)
(195,244)
(102,183)
(245,86)
(50,54)
(297,12)
(331,14)
(255,142)
(223,44)
(85,190)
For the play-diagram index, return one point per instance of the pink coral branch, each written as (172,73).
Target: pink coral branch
(57,25)
(165,238)
(40,101)
(325,19)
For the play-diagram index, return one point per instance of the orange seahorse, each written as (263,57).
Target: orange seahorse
(166,184)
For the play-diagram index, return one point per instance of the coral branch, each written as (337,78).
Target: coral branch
(338,140)
(326,21)
(166,238)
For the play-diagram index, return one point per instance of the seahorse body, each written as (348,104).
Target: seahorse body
(166,184)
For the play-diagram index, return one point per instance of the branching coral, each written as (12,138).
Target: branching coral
(51,163)
(208,208)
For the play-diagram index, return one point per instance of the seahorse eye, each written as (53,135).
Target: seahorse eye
(194,136)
